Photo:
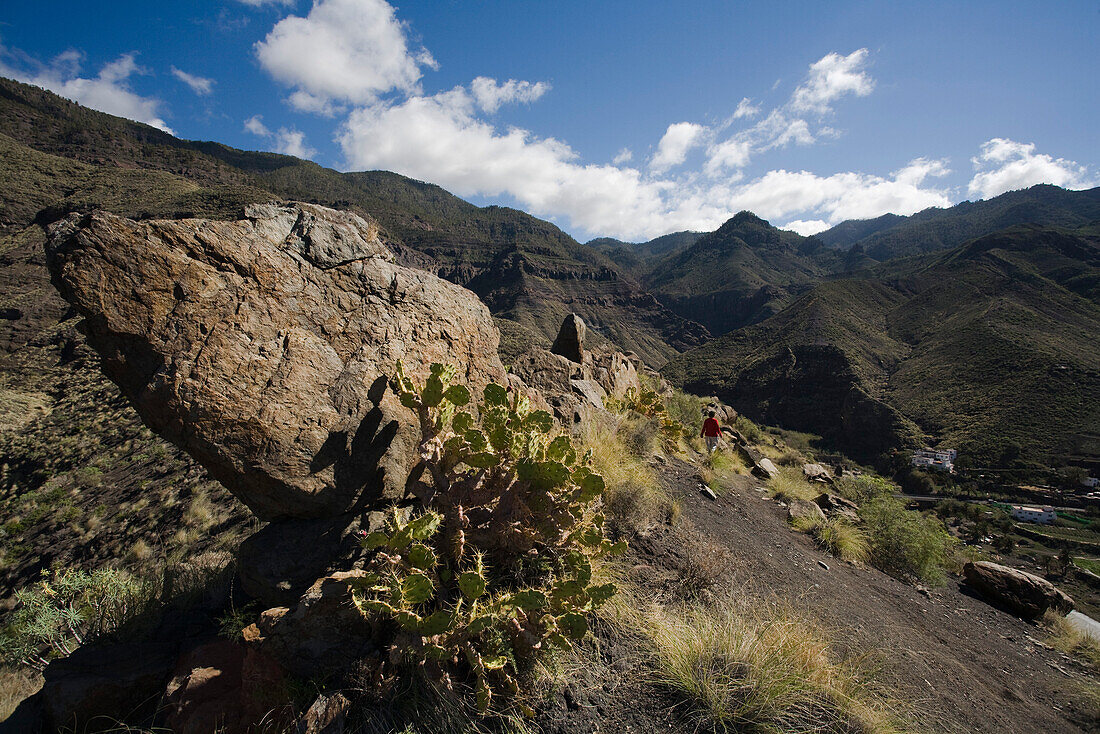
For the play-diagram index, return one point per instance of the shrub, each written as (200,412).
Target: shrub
(906,543)
(748,429)
(864,488)
(499,567)
(648,403)
(687,410)
(67,609)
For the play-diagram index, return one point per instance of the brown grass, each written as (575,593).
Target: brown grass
(748,665)
(16,684)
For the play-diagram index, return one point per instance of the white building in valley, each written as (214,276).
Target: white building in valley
(938,459)
(1044,515)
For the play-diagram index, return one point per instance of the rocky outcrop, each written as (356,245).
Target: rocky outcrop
(263,346)
(576,391)
(570,340)
(834,505)
(1021,593)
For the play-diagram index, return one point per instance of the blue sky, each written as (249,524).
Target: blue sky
(626,119)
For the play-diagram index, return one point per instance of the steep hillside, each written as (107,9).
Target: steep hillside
(982,346)
(891,236)
(740,274)
(525,269)
(636,257)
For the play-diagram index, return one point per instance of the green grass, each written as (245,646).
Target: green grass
(1089,564)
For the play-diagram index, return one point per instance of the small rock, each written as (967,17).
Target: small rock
(327,715)
(823,564)
(708,492)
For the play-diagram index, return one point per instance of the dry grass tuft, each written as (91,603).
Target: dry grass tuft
(1068,639)
(720,468)
(16,684)
(844,540)
(704,565)
(790,484)
(760,668)
(633,496)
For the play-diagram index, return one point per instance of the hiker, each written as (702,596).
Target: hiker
(711,432)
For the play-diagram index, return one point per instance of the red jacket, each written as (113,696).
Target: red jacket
(711,428)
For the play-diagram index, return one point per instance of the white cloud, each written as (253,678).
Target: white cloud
(675,144)
(199,85)
(745,108)
(731,154)
(440,138)
(261,3)
(1005,165)
(832,77)
(343,51)
(490,95)
(285,140)
(108,92)
(849,195)
(623,156)
(806,227)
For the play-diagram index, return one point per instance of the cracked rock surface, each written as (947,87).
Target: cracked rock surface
(263,346)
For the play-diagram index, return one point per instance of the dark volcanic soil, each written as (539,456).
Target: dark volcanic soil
(956,662)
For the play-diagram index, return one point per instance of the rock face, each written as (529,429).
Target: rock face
(105,681)
(570,341)
(263,346)
(1021,593)
(817,473)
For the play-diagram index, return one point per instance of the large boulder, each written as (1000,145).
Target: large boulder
(225,687)
(1019,592)
(263,346)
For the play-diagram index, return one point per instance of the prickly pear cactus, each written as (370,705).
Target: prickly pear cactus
(650,404)
(498,566)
